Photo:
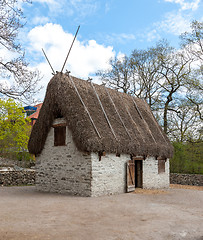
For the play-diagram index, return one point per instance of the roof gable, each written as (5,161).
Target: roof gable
(100,119)
(36,114)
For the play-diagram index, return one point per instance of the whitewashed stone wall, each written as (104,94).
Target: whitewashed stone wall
(151,177)
(63,169)
(109,174)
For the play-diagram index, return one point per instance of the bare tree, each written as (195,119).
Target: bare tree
(195,93)
(183,122)
(13,66)
(145,65)
(193,41)
(135,75)
(119,76)
(173,72)
(162,75)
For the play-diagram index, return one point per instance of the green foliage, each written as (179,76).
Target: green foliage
(14,128)
(187,158)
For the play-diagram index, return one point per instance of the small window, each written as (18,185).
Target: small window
(60,136)
(161,166)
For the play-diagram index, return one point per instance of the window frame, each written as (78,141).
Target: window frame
(161,166)
(59,136)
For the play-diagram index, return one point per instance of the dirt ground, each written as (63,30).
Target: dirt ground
(174,214)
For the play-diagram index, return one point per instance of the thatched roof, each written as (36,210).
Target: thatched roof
(126,125)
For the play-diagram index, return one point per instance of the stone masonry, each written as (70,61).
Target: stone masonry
(109,174)
(17,178)
(151,177)
(186,179)
(64,169)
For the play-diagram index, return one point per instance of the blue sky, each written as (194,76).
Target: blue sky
(108,28)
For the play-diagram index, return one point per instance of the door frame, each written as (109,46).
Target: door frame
(138,173)
(134,174)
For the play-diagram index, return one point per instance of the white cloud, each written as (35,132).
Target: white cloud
(185,5)
(55,7)
(151,35)
(50,3)
(85,58)
(120,56)
(121,38)
(174,23)
(40,20)
(83,7)
(70,7)
(6,55)
(107,7)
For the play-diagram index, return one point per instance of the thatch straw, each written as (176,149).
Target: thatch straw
(138,133)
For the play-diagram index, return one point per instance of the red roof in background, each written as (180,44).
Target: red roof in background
(36,114)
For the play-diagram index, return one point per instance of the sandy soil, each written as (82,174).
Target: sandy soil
(173,214)
(200,188)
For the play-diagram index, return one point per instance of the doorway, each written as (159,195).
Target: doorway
(138,173)
(134,175)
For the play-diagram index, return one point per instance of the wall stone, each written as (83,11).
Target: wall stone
(63,169)
(11,163)
(151,177)
(109,174)
(186,179)
(16,178)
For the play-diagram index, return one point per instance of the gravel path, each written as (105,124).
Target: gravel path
(174,214)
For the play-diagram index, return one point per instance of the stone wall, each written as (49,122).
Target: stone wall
(186,179)
(9,162)
(63,169)
(27,177)
(151,177)
(109,174)
(16,178)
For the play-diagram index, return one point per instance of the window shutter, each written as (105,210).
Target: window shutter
(60,136)
(161,166)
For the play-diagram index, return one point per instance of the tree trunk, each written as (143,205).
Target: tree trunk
(169,99)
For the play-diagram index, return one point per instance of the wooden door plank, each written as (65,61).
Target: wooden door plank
(130,176)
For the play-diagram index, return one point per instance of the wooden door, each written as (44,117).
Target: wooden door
(130,176)
(138,173)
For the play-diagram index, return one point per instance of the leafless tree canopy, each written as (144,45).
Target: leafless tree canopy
(167,79)
(193,40)
(13,66)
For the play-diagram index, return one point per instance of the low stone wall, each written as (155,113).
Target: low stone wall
(186,179)
(4,162)
(27,177)
(16,178)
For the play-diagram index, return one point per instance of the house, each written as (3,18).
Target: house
(29,110)
(32,112)
(35,114)
(90,140)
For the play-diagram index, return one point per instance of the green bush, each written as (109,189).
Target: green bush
(187,158)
